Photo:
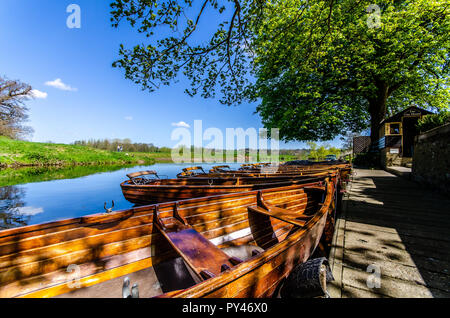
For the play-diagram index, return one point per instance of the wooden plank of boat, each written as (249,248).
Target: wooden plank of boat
(34,260)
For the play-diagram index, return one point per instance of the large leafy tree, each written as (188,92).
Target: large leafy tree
(317,68)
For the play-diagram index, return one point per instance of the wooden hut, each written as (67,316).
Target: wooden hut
(397,134)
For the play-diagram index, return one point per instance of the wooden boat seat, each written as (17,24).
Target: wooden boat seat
(220,168)
(274,209)
(288,218)
(138,178)
(194,170)
(201,256)
(285,215)
(141,173)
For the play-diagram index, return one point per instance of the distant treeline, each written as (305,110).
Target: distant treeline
(125,144)
(128,146)
(315,152)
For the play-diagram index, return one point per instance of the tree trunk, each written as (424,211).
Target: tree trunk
(375,118)
(377,111)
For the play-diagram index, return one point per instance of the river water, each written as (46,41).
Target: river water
(68,193)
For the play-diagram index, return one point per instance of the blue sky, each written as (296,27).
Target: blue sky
(92,99)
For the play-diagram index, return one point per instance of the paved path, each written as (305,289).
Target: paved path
(397,228)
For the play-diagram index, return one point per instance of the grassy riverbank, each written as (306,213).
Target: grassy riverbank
(17,153)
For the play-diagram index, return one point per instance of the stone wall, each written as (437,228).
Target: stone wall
(390,159)
(393,159)
(431,162)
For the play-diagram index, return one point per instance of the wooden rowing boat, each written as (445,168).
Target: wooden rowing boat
(224,171)
(293,165)
(151,191)
(253,169)
(264,169)
(235,245)
(254,174)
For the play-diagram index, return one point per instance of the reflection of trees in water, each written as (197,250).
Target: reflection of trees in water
(11,200)
(12,176)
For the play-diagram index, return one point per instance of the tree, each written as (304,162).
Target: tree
(313,150)
(317,68)
(13,112)
(320,152)
(429,122)
(344,73)
(219,63)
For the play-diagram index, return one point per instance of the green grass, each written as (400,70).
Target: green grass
(15,153)
(18,153)
(160,157)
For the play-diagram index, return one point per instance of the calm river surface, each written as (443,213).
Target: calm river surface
(37,202)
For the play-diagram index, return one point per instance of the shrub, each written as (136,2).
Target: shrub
(370,159)
(36,157)
(432,121)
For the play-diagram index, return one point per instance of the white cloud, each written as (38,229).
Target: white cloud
(129,118)
(34,93)
(29,210)
(181,124)
(58,83)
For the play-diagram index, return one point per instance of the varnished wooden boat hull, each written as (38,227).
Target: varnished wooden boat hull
(188,188)
(35,260)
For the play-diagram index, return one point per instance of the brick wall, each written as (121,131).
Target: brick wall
(431,162)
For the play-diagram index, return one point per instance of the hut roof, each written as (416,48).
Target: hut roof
(410,111)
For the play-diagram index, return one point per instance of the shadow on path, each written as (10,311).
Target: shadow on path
(402,227)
